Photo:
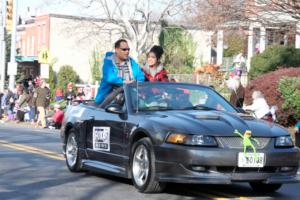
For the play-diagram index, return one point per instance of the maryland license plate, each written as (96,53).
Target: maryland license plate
(250,160)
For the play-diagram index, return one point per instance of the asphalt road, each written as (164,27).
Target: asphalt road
(32,167)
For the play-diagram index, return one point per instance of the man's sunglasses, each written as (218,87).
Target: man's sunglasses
(125,49)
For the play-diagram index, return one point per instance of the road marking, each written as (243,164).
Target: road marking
(205,195)
(227,195)
(30,149)
(223,195)
(208,194)
(27,147)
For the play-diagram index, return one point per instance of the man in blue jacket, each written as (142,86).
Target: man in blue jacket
(118,69)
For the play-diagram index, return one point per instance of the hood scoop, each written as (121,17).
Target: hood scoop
(207,117)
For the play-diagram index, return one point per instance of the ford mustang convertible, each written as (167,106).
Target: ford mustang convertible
(155,133)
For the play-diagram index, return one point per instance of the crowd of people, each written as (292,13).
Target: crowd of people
(30,101)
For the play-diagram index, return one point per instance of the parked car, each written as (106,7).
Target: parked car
(155,133)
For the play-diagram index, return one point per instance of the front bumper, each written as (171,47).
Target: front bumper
(185,164)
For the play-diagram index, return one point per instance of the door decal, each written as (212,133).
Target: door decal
(101,138)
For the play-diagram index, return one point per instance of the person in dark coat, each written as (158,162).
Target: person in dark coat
(297,134)
(22,104)
(237,93)
(1,107)
(41,100)
(70,94)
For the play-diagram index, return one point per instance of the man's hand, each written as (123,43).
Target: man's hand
(127,82)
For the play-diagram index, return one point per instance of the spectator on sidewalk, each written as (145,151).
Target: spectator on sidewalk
(259,106)
(80,94)
(22,104)
(41,100)
(56,120)
(1,107)
(237,93)
(10,99)
(59,94)
(32,108)
(87,93)
(70,94)
(31,87)
(297,134)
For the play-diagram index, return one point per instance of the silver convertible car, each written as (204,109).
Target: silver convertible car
(155,133)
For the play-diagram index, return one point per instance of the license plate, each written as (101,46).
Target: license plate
(250,161)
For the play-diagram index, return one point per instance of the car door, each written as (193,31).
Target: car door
(105,135)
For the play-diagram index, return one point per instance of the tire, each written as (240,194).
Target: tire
(266,188)
(73,159)
(143,167)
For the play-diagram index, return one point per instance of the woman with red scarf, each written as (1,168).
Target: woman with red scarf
(153,69)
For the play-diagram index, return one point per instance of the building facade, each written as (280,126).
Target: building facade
(71,41)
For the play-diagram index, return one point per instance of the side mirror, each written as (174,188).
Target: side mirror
(114,108)
(240,110)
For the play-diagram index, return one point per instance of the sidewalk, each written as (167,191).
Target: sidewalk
(27,125)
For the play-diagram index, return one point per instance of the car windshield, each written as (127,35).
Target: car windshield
(175,96)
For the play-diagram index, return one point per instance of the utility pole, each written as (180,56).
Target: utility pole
(2,44)
(12,65)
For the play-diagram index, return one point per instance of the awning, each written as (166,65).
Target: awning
(26,58)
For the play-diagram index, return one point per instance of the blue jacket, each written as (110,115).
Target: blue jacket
(110,76)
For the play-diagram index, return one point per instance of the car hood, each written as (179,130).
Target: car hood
(217,123)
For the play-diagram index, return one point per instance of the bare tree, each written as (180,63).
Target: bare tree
(136,20)
(213,13)
(277,8)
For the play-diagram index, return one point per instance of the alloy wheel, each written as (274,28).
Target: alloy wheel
(71,150)
(140,165)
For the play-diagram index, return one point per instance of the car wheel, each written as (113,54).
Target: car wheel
(143,167)
(261,187)
(72,156)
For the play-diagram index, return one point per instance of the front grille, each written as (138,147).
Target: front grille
(237,142)
(245,170)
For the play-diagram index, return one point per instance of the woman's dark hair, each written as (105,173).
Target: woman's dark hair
(157,50)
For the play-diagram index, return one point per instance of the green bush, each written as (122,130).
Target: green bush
(290,90)
(274,57)
(65,75)
(179,50)
(51,82)
(95,65)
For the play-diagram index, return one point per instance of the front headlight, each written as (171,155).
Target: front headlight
(284,141)
(194,140)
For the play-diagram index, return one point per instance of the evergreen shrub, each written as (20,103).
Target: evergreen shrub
(273,58)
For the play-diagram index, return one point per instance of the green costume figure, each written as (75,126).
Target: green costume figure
(247,142)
